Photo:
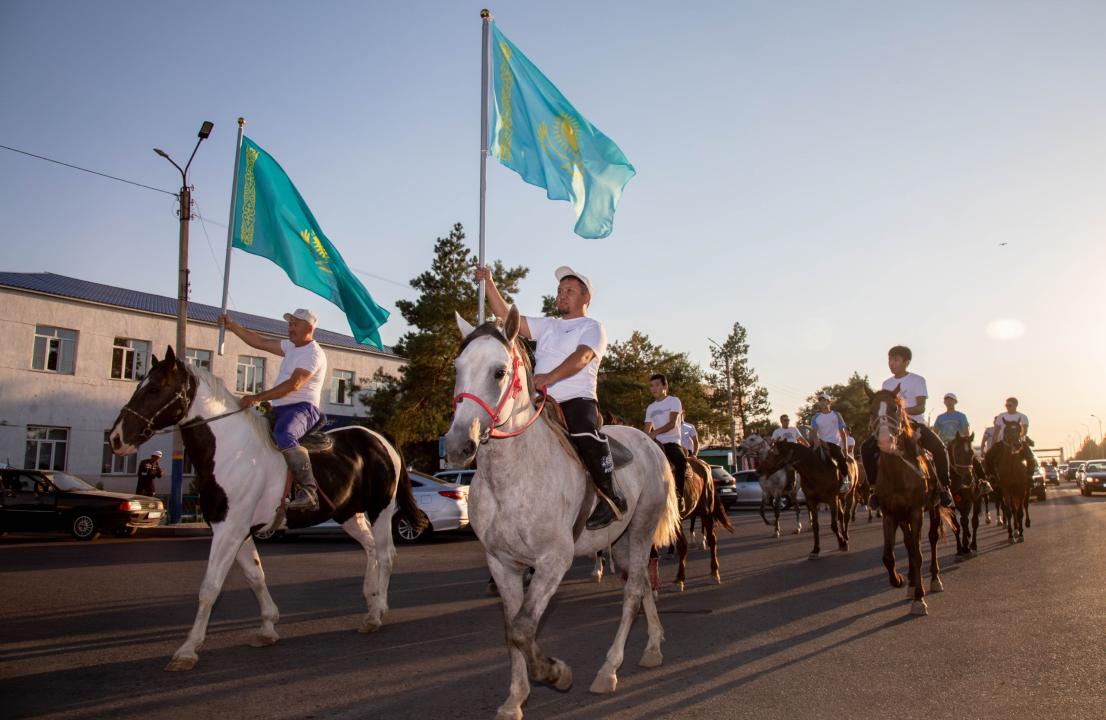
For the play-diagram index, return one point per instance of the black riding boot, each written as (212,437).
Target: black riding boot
(303,480)
(596,455)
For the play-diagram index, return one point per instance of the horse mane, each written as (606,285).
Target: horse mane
(221,393)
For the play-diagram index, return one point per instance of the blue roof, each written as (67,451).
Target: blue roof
(62,286)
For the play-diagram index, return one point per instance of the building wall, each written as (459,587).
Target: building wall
(88,401)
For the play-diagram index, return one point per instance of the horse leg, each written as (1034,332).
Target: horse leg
(681,558)
(845,511)
(935,520)
(1026,506)
(814,527)
(889,529)
(225,542)
(776,502)
(597,571)
(522,630)
(508,580)
(764,500)
(974,547)
(915,549)
(798,519)
(376,601)
(250,563)
(712,544)
(635,590)
(987,508)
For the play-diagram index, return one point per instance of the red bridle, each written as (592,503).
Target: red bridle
(512,391)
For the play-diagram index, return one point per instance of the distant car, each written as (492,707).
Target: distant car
(461,477)
(725,486)
(443,504)
(1074,467)
(1051,475)
(1037,485)
(1062,472)
(55,501)
(1094,477)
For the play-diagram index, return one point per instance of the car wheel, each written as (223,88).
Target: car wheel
(83,527)
(268,535)
(407,533)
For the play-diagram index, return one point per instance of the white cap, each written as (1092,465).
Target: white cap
(823,396)
(157,453)
(951,395)
(302,314)
(565,271)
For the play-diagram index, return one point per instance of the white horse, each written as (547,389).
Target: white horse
(242,480)
(529,499)
(774,486)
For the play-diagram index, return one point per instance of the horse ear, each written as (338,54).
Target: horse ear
(897,388)
(153,360)
(463,325)
(169,356)
(513,322)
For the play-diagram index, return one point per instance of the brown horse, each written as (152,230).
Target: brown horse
(967,491)
(700,502)
(1013,477)
(818,478)
(907,488)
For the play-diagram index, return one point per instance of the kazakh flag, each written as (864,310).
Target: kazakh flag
(537,133)
(273,221)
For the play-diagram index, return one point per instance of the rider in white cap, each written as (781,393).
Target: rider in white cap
(295,397)
(566,361)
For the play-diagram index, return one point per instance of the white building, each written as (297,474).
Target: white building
(73,351)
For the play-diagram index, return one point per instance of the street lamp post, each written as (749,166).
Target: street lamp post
(184,211)
(1099,426)
(729,395)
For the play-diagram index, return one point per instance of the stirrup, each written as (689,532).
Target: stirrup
(306,498)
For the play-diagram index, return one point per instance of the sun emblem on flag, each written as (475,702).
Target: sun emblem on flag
(315,247)
(563,141)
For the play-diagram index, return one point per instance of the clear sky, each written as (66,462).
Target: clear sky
(838,177)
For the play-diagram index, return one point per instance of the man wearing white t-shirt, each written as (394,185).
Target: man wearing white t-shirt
(1010,416)
(689,438)
(566,363)
(295,397)
(662,423)
(790,434)
(912,389)
(829,433)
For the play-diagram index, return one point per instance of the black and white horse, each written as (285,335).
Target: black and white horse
(242,478)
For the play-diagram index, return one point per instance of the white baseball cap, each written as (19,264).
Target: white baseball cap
(302,314)
(823,396)
(158,453)
(951,395)
(565,271)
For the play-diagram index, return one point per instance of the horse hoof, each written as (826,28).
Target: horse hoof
(936,586)
(264,640)
(180,663)
(369,626)
(843,547)
(777,534)
(679,585)
(1009,541)
(717,577)
(502,714)
(563,673)
(1021,539)
(604,684)
(651,658)
(597,577)
(919,608)
(813,556)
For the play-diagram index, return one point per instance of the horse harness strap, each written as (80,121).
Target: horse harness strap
(514,387)
(180,395)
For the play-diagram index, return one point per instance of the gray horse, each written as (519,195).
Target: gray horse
(774,486)
(529,498)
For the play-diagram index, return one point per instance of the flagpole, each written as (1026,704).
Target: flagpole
(230,229)
(484,72)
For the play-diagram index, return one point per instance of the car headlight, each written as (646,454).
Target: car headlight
(130,506)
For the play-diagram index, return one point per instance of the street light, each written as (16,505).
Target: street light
(184,211)
(729,394)
(1099,425)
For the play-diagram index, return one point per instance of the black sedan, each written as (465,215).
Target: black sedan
(1093,477)
(54,501)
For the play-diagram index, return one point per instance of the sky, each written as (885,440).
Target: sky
(837,177)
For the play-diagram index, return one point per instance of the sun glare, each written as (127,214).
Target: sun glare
(1005,329)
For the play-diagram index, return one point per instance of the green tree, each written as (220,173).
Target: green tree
(415,408)
(1091,450)
(751,409)
(850,399)
(624,382)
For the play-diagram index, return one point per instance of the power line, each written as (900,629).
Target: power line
(94,172)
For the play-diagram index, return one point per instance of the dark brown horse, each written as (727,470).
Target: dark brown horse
(1012,477)
(907,489)
(818,478)
(967,491)
(702,503)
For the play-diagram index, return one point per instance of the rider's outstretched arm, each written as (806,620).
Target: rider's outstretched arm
(495,299)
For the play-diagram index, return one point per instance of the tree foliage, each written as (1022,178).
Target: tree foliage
(1091,450)
(751,409)
(416,407)
(850,399)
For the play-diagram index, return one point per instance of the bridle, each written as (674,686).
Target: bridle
(892,423)
(150,430)
(514,387)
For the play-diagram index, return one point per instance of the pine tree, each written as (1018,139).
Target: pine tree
(751,408)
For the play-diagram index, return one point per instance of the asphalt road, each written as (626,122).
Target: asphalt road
(88,627)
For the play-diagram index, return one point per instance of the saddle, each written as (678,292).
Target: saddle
(620,454)
(314,440)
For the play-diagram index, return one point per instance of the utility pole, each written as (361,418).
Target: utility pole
(729,404)
(184,211)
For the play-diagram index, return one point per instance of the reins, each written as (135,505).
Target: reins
(514,387)
(182,396)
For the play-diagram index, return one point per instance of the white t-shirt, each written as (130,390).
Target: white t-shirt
(850,443)
(828,426)
(1003,418)
(911,387)
(659,412)
(310,357)
(558,338)
(791,434)
(988,439)
(688,435)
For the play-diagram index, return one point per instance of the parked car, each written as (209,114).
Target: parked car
(1094,477)
(55,501)
(1074,466)
(725,486)
(461,477)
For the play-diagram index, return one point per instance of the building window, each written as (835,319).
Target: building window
(198,358)
(115,465)
(129,359)
(46,448)
(55,349)
(251,374)
(342,388)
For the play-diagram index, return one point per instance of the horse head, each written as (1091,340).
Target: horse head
(493,383)
(1012,434)
(960,451)
(887,419)
(754,444)
(779,455)
(161,400)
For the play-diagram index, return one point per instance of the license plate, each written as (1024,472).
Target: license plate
(155,514)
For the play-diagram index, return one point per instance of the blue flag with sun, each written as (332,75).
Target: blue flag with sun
(537,133)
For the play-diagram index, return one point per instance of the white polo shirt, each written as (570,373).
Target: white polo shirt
(1003,418)
(791,434)
(310,357)
(558,338)
(659,412)
(911,387)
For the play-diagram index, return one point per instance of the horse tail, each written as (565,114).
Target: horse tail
(946,516)
(721,516)
(669,523)
(405,500)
